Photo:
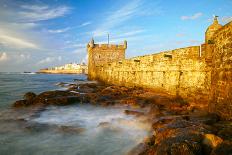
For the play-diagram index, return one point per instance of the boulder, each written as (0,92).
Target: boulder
(20,103)
(186,144)
(29,96)
(212,140)
(49,98)
(225,148)
(133,112)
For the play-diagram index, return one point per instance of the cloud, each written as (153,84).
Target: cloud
(9,41)
(59,30)
(193,17)
(3,56)
(117,17)
(48,60)
(227,19)
(85,24)
(131,33)
(35,13)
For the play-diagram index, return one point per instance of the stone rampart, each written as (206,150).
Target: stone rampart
(179,72)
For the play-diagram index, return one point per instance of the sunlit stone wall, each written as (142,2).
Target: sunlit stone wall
(199,73)
(221,91)
(179,72)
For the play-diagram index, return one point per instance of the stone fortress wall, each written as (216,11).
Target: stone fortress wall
(197,73)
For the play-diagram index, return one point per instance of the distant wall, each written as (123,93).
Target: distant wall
(65,71)
(221,91)
(178,72)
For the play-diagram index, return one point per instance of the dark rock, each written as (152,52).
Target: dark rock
(186,144)
(29,96)
(132,112)
(225,148)
(226,133)
(71,129)
(49,98)
(207,118)
(209,142)
(20,103)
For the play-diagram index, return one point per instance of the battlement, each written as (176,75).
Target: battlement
(99,54)
(91,45)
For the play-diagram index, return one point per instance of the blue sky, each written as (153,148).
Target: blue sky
(37,34)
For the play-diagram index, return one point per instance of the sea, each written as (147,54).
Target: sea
(79,129)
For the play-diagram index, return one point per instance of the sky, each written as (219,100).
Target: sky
(37,34)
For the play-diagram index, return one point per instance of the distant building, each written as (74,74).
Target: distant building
(70,68)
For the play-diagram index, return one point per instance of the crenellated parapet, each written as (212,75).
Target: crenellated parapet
(99,54)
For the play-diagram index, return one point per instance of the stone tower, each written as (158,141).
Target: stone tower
(209,42)
(99,54)
(211,30)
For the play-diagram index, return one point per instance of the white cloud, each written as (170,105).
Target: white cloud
(227,19)
(3,56)
(117,17)
(59,30)
(16,42)
(193,17)
(42,12)
(131,33)
(85,24)
(48,60)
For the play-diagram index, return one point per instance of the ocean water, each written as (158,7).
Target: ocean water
(73,130)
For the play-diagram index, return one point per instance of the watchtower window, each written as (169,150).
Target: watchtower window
(99,56)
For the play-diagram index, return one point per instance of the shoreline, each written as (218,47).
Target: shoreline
(60,72)
(176,125)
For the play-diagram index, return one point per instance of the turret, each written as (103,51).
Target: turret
(91,44)
(211,30)
(125,44)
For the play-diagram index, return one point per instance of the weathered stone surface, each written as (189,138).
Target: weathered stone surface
(184,144)
(29,96)
(49,98)
(20,103)
(225,148)
(212,140)
(133,112)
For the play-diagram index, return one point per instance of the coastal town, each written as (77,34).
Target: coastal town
(70,68)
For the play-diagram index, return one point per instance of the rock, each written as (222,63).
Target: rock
(61,100)
(129,101)
(186,144)
(212,140)
(49,98)
(71,129)
(207,118)
(132,112)
(20,103)
(226,133)
(29,96)
(104,124)
(225,148)
(224,129)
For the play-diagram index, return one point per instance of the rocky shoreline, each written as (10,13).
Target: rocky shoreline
(177,126)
